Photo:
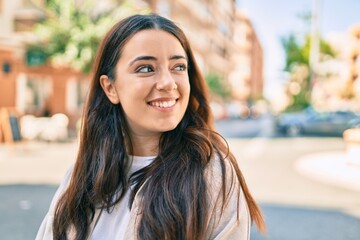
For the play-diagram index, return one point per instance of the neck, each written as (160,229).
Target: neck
(145,145)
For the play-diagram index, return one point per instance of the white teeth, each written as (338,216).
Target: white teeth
(164,104)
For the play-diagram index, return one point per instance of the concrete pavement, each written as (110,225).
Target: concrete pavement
(46,163)
(300,172)
(301,183)
(35,162)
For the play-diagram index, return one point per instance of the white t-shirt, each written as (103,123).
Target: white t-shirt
(113,225)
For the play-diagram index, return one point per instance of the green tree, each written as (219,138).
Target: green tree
(217,86)
(71,31)
(297,55)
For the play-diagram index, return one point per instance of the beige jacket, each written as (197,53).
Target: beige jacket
(220,226)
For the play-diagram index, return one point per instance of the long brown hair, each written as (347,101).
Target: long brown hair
(174,184)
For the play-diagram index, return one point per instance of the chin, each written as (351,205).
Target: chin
(168,127)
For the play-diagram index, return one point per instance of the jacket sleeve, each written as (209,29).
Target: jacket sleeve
(45,230)
(233,223)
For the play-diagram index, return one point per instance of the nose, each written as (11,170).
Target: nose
(165,81)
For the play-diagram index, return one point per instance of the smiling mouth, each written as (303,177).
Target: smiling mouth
(163,104)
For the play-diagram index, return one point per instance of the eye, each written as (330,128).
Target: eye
(180,67)
(144,69)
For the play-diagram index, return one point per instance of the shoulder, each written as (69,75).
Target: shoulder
(45,230)
(62,187)
(222,183)
(229,215)
(221,169)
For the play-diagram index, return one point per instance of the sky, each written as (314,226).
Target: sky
(277,18)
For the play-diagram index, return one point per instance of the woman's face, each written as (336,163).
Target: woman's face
(152,82)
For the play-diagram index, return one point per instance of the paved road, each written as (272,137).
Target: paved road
(296,207)
(22,208)
(296,223)
(246,128)
(25,205)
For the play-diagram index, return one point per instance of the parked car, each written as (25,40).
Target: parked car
(313,122)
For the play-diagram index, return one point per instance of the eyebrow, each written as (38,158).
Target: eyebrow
(174,57)
(140,58)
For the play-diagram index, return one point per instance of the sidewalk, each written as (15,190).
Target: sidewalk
(332,168)
(46,163)
(35,162)
(39,162)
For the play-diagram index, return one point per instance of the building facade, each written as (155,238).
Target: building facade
(246,74)
(41,90)
(337,86)
(223,40)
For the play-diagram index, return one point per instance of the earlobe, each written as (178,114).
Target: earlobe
(109,89)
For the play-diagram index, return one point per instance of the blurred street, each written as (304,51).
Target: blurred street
(298,203)
(302,165)
(247,128)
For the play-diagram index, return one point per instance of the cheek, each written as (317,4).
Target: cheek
(131,90)
(186,91)
(184,86)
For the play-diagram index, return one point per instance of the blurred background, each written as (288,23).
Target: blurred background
(285,93)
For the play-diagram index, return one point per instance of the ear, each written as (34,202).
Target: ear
(109,89)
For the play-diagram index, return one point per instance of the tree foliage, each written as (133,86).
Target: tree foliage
(297,54)
(216,85)
(71,31)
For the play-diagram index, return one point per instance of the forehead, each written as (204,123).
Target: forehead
(152,41)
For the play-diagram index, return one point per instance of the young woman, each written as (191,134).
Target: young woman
(150,164)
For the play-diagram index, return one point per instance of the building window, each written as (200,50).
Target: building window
(38,91)
(76,91)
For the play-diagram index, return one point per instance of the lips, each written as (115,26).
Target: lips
(163,103)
